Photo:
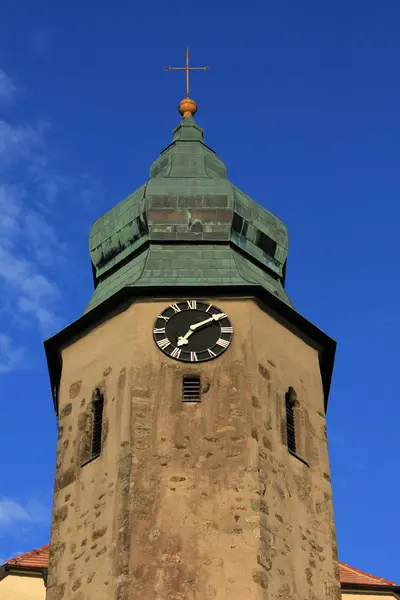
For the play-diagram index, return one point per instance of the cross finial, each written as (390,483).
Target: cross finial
(187,68)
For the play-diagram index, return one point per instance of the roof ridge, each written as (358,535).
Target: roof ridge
(26,555)
(365,573)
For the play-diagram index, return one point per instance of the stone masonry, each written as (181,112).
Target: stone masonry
(192,501)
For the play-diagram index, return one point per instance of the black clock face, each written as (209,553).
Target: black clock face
(192,331)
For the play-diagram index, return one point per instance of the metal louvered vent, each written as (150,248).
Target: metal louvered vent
(98,403)
(290,427)
(191,388)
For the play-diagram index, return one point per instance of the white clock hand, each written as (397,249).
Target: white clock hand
(216,317)
(200,324)
(184,339)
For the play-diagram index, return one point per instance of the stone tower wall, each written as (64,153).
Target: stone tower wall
(192,500)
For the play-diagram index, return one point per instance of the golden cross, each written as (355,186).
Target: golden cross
(187,69)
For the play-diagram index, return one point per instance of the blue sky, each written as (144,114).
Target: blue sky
(302,104)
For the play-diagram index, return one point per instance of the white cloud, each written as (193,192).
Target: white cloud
(30,244)
(10,211)
(42,239)
(50,189)
(7,88)
(39,512)
(12,513)
(24,524)
(21,521)
(17,142)
(34,292)
(10,358)
(359,466)
(91,191)
(28,241)
(47,320)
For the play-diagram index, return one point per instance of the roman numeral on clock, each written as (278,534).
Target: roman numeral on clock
(223,343)
(175,308)
(211,353)
(159,330)
(226,329)
(163,343)
(176,352)
(192,304)
(162,317)
(193,357)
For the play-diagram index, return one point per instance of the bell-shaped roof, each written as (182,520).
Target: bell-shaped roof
(188,226)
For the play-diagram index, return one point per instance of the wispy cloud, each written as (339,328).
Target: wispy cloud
(358,466)
(18,142)
(42,240)
(10,357)
(28,241)
(33,292)
(31,245)
(12,513)
(10,210)
(7,87)
(22,523)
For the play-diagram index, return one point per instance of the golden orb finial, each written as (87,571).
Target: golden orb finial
(187,107)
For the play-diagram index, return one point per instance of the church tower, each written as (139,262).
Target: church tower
(192,458)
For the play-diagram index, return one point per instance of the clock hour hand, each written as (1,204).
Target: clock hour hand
(182,340)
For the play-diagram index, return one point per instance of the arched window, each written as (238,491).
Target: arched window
(97,422)
(290,422)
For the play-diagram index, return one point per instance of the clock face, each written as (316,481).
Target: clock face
(192,331)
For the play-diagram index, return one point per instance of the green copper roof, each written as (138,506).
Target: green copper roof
(188,225)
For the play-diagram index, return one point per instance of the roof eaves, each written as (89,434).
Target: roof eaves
(382,589)
(8,569)
(325,345)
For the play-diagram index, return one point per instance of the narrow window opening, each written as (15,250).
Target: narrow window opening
(290,425)
(267,244)
(239,224)
(97,423)
(191,388)
(142,225)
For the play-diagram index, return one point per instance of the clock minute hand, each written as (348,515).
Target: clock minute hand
(216,317)
(201,324)
(183,339)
